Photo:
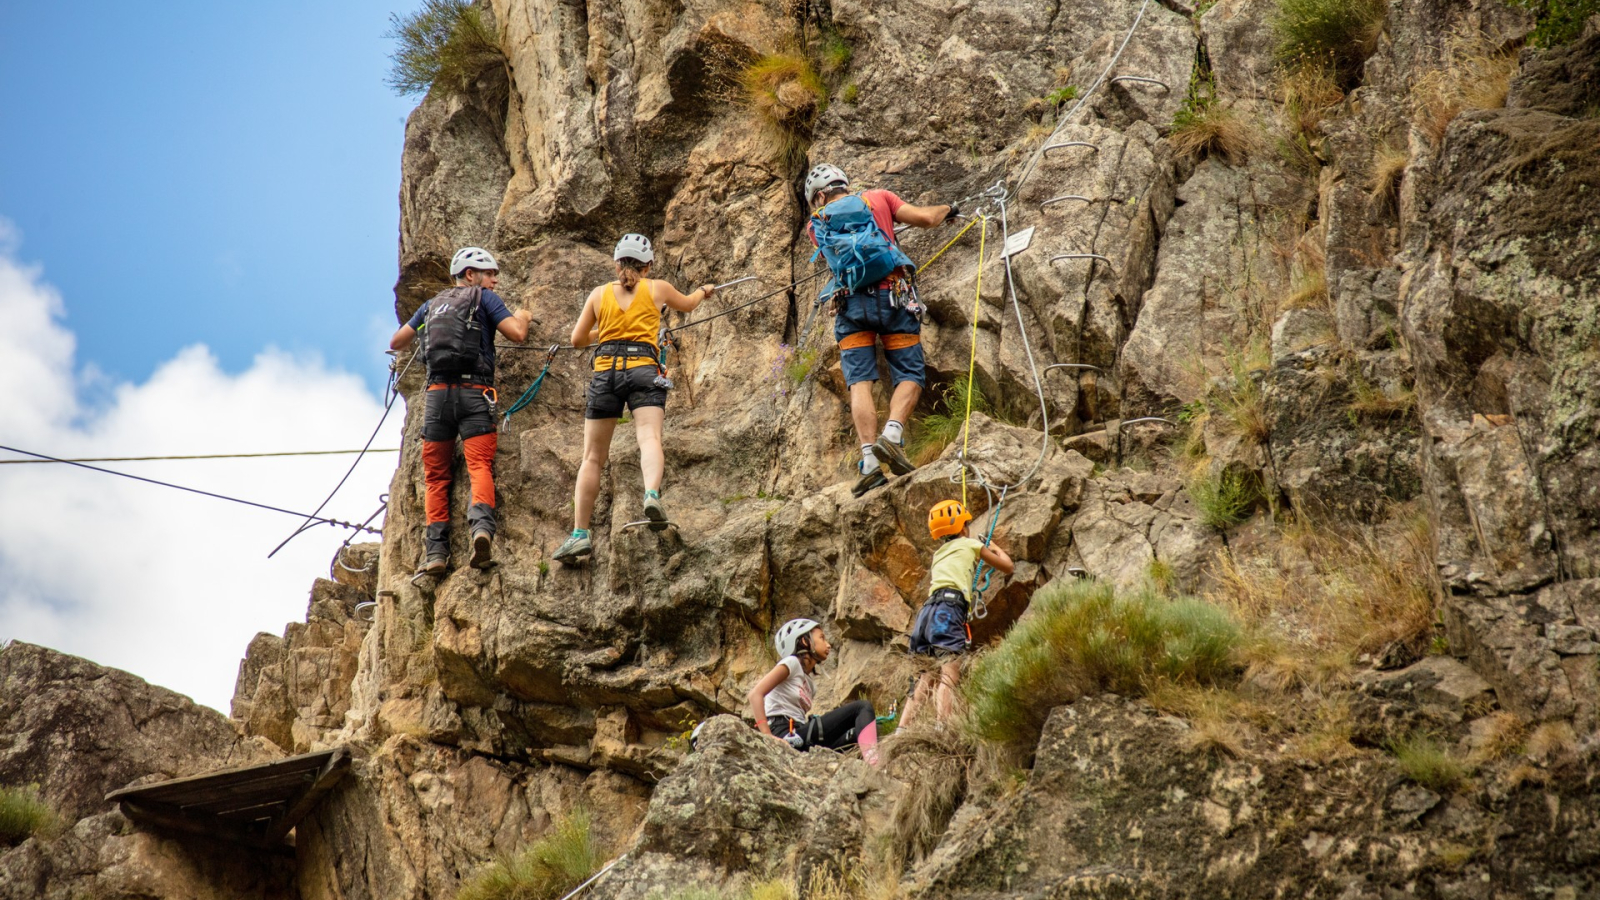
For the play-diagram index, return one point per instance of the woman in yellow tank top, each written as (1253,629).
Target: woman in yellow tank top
(624,317)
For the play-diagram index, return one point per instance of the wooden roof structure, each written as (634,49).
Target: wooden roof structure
(253,805)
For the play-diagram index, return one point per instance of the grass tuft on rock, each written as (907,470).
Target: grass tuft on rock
(1086,637)
(552,866)
(23,814)
(1476,75)
(1430,764)
(936,430)
(1224,500)
(444,42)
(1211,130)
(784,90)
(1335,35)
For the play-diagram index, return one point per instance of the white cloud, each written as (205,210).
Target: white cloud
(167,585)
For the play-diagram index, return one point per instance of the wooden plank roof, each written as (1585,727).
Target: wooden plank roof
(255,805)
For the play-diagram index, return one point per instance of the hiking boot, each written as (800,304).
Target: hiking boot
(482,550)
(893,455)
(870,479)
(655,512)
(434,565)
(575,547)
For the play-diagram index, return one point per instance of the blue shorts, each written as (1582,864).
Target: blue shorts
(862,322)
(941,625)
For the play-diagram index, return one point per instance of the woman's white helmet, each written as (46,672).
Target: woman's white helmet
(634,246)
(472,258)
(823,177)
(789,635)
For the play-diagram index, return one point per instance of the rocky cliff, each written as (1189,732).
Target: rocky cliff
(1358,304)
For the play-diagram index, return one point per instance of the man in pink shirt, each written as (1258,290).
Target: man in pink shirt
(866,317)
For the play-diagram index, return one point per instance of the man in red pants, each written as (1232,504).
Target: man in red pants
(458,328)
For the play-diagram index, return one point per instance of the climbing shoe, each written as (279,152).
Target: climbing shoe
(892,455)
(654,511)
(434,565)
(575,547)
(482,550)
(870,479)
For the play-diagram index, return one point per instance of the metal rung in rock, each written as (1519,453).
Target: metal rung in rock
(1065,144)
(1064,198)
(367,611)
(662,526)
(1127,422)
(1060,256)
(1140,79)
(1072,366)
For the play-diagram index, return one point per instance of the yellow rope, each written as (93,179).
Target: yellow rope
(972,363)
(948,244)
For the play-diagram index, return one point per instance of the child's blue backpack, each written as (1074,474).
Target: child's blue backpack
(858,253)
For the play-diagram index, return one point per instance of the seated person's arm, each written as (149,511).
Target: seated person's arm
(402,338)
(758,695)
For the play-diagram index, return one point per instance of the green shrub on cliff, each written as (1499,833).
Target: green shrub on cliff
(1337,35)
(1085,637)
(552,866)
(23,815)
(445,41)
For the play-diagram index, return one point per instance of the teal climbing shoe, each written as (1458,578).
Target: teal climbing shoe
(575,547)
(654,511)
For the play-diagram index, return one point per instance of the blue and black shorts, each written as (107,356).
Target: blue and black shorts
(941,625)
(865,319)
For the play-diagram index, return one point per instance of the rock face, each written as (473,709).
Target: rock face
(1120,804)
(78,731)
(1266,315)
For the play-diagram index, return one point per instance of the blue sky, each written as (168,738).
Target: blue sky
(198,229)
(216,173)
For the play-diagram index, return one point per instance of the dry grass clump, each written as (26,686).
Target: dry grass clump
(1212,130)
(1505,735)
(553,865)
(1368,400)
(1327,594)
(936,763)
(1388,169)
(24,815)
(444,42)
(1085,637)
(784,90)
(1476,75)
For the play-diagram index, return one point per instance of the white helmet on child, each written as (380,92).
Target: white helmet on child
(789,635)
(634,246)
(823,177)
(472,258)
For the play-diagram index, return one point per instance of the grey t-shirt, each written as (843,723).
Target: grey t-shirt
(792,696)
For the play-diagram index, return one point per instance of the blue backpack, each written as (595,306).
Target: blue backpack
(858,253)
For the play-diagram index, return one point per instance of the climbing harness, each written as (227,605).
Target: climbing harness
(533,389)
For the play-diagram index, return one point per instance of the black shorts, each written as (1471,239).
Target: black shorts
(456,410)
(612,389)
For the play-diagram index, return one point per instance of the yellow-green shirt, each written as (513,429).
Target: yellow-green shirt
(953,564)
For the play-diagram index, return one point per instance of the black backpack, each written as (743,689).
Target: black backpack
(451,333)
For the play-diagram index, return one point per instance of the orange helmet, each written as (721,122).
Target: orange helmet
(947,517)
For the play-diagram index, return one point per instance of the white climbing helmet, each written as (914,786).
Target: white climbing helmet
(822,177)
(472,258)
(789,635)
(634,246)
